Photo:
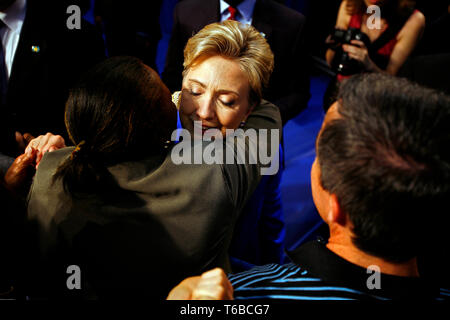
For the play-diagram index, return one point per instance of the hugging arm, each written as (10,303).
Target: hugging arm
(242,179)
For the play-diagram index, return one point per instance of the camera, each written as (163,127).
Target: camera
(342,63)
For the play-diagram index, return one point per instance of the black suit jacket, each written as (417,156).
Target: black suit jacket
(40,79)
(284,30)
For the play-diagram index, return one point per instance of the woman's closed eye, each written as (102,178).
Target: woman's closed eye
(228,100)
(195,92)
(228,103)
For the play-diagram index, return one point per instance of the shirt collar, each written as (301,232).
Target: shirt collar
(14,16)
(245,8)
(321,262)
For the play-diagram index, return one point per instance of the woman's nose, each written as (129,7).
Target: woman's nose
(205,109)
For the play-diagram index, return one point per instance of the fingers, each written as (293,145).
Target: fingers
(213,285)
(19,172)
(44,143)
(51,142)
(34,143)
(183,291)
(354,52)
(27,137)
(330,40)
(25,160)
(354,56)
(20,141)
(358,43)
(350,48)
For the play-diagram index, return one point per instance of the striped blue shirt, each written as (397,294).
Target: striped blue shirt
(333,278)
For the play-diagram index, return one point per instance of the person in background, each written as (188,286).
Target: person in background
(380,180)
(401,25)
(283,29)
(40,59)
(131,28)
(385,49)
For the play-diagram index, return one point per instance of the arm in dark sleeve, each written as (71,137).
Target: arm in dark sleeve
(242,179)
(271,228)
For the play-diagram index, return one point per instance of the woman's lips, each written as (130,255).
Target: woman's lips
(205,128)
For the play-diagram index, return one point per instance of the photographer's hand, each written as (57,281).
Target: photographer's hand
(358,51)
(331,43)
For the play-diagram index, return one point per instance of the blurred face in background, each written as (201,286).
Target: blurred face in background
(215,92)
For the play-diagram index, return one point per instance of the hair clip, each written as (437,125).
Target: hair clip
(77,149)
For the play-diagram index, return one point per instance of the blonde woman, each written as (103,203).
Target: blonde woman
(226,67)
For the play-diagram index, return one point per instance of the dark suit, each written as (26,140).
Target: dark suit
(284,30)
(40,79)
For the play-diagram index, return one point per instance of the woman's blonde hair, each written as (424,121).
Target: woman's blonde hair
(236,41)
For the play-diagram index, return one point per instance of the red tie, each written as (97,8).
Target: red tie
(232,13)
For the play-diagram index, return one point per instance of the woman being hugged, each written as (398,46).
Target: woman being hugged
(226,68)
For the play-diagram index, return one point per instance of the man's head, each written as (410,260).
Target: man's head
(383,163)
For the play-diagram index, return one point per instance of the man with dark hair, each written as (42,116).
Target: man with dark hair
(382,164)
